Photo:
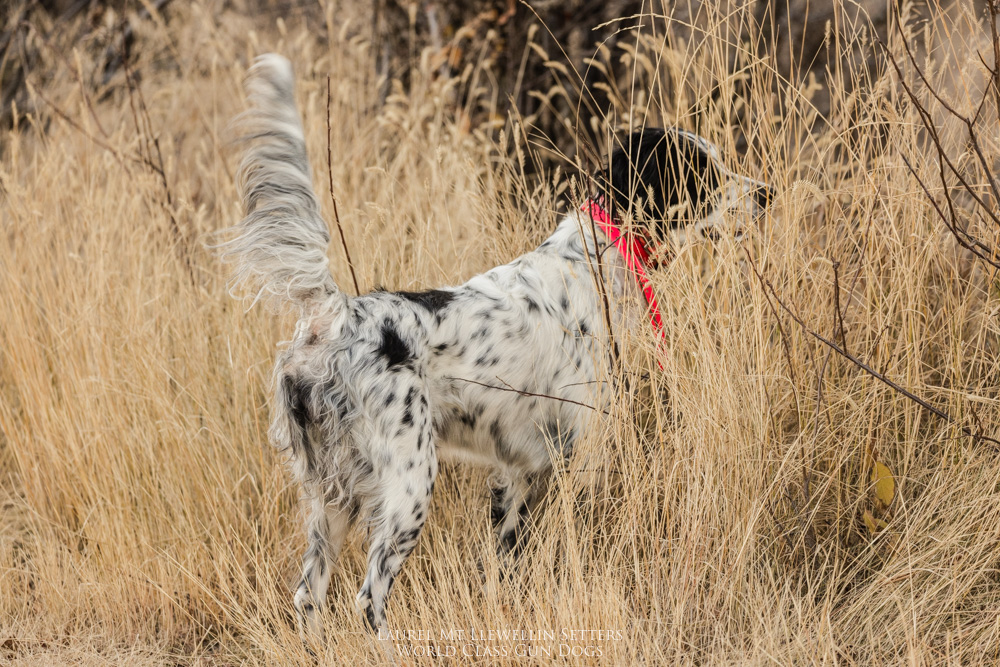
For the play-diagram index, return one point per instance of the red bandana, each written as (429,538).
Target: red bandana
(633,250)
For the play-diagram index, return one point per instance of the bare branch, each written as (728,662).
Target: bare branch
(766,284)
(963,237)
(522,392)
(836,306)
(149,144)
(329,171)
(951,219)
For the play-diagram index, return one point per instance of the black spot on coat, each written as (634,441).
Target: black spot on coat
(297,395)
(297,405)
(497,509)
(393,348)
(433,300)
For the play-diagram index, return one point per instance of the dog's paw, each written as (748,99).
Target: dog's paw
(310,623)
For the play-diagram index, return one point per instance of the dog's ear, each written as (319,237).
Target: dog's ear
(654,173)
(290,422)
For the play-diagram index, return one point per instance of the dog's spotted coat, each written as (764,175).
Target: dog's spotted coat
(372,390)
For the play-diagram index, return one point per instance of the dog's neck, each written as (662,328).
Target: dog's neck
(622,256)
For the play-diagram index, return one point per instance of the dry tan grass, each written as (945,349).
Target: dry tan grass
(717,519)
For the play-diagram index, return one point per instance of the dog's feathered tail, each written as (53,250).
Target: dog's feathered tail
(279,248)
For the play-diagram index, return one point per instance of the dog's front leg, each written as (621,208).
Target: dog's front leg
(512,502)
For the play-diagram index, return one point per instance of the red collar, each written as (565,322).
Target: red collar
(635,253)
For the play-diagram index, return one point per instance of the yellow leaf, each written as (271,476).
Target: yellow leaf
(870,522)
(885,483)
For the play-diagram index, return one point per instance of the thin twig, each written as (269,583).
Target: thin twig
(151,142)
(112,60)
(598,276)
(865,367)
(118,155)
(931,127)
(329,171)
(76,74)
(964,238)
(836,306)
(784,337)
(995,38)
(532,394)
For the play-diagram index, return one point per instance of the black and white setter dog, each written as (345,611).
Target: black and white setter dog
(372,390)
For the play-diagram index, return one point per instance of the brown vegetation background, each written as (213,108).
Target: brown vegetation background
(811,477)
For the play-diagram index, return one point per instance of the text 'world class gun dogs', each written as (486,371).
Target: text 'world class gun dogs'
(372,390)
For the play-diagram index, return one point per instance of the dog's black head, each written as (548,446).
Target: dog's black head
(672,180)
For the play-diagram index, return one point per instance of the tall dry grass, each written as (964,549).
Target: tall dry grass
(719,516)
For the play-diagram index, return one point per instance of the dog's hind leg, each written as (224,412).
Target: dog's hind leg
(326,528)
(400,503)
